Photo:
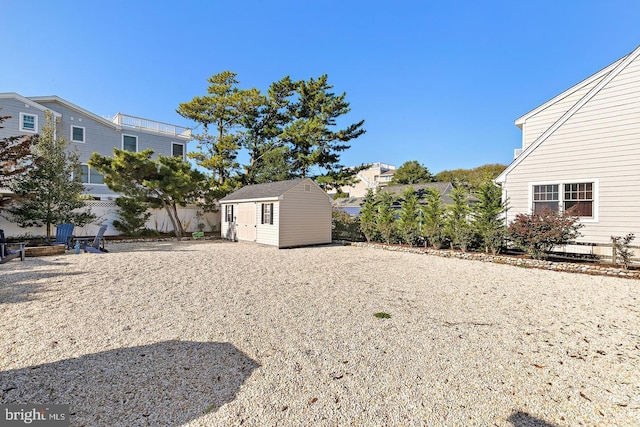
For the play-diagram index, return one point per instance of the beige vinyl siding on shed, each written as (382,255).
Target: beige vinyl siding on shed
(225,231)
(600,141)
(268,233)
(306,216)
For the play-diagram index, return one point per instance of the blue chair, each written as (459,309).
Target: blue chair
(64,235)
(6,254)
(97,247)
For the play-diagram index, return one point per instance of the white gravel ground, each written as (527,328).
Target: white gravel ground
(219,333)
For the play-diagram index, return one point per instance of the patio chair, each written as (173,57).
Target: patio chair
(6,254)
(97,247)
(64,234)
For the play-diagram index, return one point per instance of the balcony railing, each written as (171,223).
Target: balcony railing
(151,125)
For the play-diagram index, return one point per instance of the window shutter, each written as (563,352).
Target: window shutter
(271,216)
(262,217)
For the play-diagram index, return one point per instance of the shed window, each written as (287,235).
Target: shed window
(228,213)
(267,213)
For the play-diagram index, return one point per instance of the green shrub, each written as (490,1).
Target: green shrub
(537,234)
(345,227)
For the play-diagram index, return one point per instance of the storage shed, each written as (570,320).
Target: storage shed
(283,214)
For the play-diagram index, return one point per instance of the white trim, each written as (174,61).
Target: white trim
(257,199)
(35,123)
(133,136)
(617,67)
(28,103)
(84,134)
(561,183)
(89,169)
(521,120)
(184,149)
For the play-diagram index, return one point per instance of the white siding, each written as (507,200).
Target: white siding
(268,233)
(227,229)
(602,141)
(305,216)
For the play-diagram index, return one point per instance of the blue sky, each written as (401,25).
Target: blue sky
(437,82)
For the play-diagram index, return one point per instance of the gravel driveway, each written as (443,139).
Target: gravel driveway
(218,333)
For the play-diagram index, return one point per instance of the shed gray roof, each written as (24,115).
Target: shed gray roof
(262,191)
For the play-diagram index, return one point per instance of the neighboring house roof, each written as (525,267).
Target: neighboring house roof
(29,102)
(271,190)
(606,74)
(348,202)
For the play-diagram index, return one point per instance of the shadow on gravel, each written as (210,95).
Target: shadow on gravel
(164,384)
(522,419)
(14,289)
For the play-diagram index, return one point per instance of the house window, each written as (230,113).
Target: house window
(228,213)
(177,150)
(28,122)
(267,213)
(77,134)
(129,142)
(90,176)
(545,197)
(579,197)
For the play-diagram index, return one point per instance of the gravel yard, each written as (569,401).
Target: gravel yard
(216,333)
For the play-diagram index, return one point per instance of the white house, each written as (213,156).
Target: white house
(376,176)
(283,214)
(582,149)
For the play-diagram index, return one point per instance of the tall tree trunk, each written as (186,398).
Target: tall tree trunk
(177,227)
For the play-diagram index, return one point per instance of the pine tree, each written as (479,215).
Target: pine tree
(165,183)
(488,218)
(409,221)
(368,215)
(457,225)
(385,219)
(433,218)
(52,192)
(222,110)
(17,158)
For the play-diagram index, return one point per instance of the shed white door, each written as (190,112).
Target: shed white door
(247,221)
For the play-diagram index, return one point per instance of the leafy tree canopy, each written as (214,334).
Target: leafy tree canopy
(412,172)
(471,178)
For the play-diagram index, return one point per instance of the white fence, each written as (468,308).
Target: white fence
(107,211)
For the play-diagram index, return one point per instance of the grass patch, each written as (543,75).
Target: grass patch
(382,315)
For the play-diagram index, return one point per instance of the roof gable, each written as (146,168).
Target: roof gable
(264,191)
(57,99)
(28,101)
(611,72)
(606,70)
